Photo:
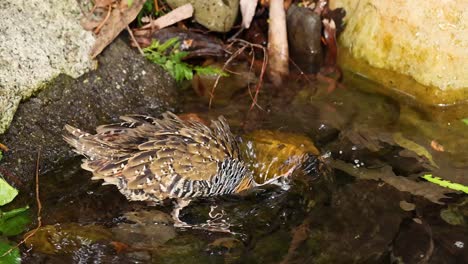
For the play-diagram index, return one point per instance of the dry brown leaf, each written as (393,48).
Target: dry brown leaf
(176,15)
(3,147)
(247,8)
(436,146)
(118,21)
(102,3)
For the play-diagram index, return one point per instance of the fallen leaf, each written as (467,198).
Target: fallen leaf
(176,15)
(118,21)
(436,146)
(119,246)
(102,3)
(407,206)
(248,11)
(414,147)
(3,147)
(427,190)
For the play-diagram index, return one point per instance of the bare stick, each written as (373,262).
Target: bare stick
(233,56)
(277,43)
(176,15)
(39,209)
(134,40)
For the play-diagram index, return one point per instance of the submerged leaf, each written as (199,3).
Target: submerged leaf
(427,190)
(413,146)
(7,192)
(465,120)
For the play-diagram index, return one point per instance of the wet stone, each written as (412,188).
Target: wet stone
(124,83)
(304,35)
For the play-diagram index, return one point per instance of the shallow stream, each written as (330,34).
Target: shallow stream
(367,204)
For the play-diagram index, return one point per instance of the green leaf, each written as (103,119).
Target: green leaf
(446,183)
(129,3)
(11,258)
(14,222)
(1,155)
(12,213)
(7,193)
(208,70)
(465,120)
(168,56)
(169,43)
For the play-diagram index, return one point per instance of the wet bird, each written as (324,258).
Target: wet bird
(154,159)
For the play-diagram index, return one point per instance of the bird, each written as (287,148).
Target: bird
(166,158)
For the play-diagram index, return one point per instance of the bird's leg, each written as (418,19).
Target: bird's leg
(178,206)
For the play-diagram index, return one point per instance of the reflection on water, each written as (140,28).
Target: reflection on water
(374,150)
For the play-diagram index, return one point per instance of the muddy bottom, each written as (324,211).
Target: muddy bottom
(367,204)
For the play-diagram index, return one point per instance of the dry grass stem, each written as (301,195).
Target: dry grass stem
(134,40)
(39,210)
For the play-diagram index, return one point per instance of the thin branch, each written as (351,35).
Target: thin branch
(233,56)
(134,40)
(99,27)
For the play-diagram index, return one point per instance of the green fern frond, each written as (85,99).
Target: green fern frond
(446,183)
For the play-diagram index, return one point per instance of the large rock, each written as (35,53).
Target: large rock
(216,15)
(426,40)
(125,83)
(38,41)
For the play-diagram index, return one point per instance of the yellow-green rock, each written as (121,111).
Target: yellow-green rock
(426,40)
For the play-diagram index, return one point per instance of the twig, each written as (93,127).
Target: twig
(134,40)
(39,209)
(233,56)
(98,28)
(244,44)
(260,79)
(262,71)
(156,6)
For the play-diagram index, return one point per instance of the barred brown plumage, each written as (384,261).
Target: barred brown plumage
(151,159)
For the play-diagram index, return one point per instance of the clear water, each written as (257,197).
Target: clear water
(353,212)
